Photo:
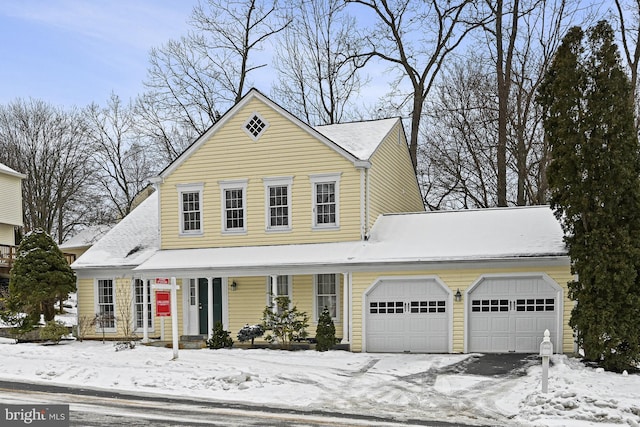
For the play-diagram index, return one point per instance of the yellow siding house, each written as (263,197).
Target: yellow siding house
(10,215)
(263,205)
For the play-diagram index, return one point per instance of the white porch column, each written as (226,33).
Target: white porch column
(274,293)
(145,310)
(346,303)
(210,307)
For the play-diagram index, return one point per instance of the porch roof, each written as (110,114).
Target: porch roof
(447,238)
(252,260)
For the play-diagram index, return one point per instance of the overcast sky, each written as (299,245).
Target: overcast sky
(74,52)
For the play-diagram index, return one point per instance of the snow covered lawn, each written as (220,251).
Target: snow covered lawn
(405,386)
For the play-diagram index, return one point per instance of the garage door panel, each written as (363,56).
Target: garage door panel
(510,314)
(414,309)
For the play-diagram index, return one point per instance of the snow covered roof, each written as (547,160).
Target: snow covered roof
(86,237)
(129,243)
(424,237)
(466,235)
(359,138)
(7,170)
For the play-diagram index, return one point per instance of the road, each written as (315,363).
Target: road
(90,407)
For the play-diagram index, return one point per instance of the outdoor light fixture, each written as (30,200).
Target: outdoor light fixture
(458,295)
(234,285)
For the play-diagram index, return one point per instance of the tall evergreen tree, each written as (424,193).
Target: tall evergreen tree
(40,276)
(594,179)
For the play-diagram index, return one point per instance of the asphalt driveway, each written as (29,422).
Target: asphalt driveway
(496,364)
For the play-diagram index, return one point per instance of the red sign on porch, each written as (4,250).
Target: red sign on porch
(162,280)
(163,304)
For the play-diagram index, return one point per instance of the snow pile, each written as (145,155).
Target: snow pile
(401,386)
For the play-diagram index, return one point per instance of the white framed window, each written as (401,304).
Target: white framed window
(190,200)
(105,305)
(326,200)
(234,206)
(326,292)
(277,192)
(138,304)
(282,288)
(255,125)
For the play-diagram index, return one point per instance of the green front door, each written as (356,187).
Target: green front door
(203,303)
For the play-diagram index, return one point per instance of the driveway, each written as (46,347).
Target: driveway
(495,365)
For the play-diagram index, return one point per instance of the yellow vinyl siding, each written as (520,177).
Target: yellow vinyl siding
(123,288)
(457,279)
(7,234)
(11,196)
(392,182)
(247,303)
(283,150)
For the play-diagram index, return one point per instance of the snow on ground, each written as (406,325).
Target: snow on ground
(403,386)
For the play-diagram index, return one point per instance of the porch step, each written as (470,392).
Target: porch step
(193,337)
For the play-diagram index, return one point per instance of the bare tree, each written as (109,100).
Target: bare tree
(191,80)
(122,161)
(628,17)
(416,37)
(49,145)
(316,79)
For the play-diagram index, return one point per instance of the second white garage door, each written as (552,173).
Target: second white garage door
(511,313)
(408,315)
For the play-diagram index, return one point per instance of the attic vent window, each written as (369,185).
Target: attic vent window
(255,126)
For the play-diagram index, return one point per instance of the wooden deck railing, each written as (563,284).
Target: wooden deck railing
(8,256)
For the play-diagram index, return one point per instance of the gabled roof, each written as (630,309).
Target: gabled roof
(355,141)
(129,243)
(8,171)
(86,237)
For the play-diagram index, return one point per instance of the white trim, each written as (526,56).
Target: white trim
(430,277)
(283,181)
(316,309)
(558,348)
(190,188)
(96,305)
(325,178)
(236,184)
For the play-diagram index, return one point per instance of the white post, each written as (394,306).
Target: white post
(546,350)
(209,307)
(162,329)
(174,317)
(274,293)
(145,311)
(346,304)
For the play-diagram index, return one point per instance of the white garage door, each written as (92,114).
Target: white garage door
(510,314)
(410,315)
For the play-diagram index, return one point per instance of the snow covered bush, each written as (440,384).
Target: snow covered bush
(219,338)
(53,331)
(286,324)
(325,332)
(250,332)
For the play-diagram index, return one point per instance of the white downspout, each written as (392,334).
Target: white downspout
(346,303)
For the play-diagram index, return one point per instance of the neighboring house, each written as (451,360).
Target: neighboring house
(10,216)
(84,239)
(263,205)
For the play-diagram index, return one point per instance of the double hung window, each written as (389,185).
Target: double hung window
(138,291)
(326,293)
(326,200)
(106,307)
(278,203)
(190,208)
(234,206)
